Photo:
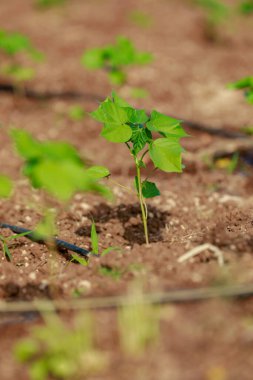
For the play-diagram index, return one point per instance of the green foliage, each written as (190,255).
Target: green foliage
(125,124)
(12,44)
(138,323)
(5,186)
(114,59)
(246,7)
(94,243)
(4,241)
(57,351)
(49,3)
(245,84)
(56,167)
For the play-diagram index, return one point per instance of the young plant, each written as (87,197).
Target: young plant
(12,45)
(115,58)
(245,84)
(138,131)
(56,168)
(60,352)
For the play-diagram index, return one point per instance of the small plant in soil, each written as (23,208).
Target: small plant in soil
(140,133)
(115,59)
(58,351)
(12,46)
(56,168)
(245,84)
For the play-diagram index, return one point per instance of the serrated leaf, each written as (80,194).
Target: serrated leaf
(139,138)
(149,189)
(166,124)
(110,112)
(117,133)
(136,116)
(166,154)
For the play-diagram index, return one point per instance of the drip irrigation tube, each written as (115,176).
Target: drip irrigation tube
(60,244)
(114,302)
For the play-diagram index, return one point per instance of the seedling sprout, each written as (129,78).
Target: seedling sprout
(133,127)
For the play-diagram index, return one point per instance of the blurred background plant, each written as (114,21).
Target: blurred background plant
(14,47)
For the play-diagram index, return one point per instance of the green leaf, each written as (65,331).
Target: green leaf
(110,112)
(246,82)
(93,59)
(46,228)
(98,172)
(94,238)
(117,133)
(139,138)
(166,154)
(7,252)
(149,189)
(166,124)
(136,116)
(5,186)
(80,260)
(76,113)
(109,249)
(249,96)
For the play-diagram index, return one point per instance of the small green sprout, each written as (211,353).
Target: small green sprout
(137,130)
(13,44)
(94,243)
(57,168)
(4,241)
(115,58)
(245,84)
(60,352)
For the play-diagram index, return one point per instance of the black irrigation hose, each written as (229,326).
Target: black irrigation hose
(60,244)
(30,94)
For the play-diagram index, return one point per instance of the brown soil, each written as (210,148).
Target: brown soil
(187,79)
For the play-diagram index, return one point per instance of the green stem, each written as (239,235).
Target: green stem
(142,202)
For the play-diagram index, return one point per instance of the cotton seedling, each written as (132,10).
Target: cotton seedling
(139,131)
(245,84)
(57,351)
(115,59)
(11,46)
(56,168)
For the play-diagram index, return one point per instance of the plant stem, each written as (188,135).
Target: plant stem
(142,202)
